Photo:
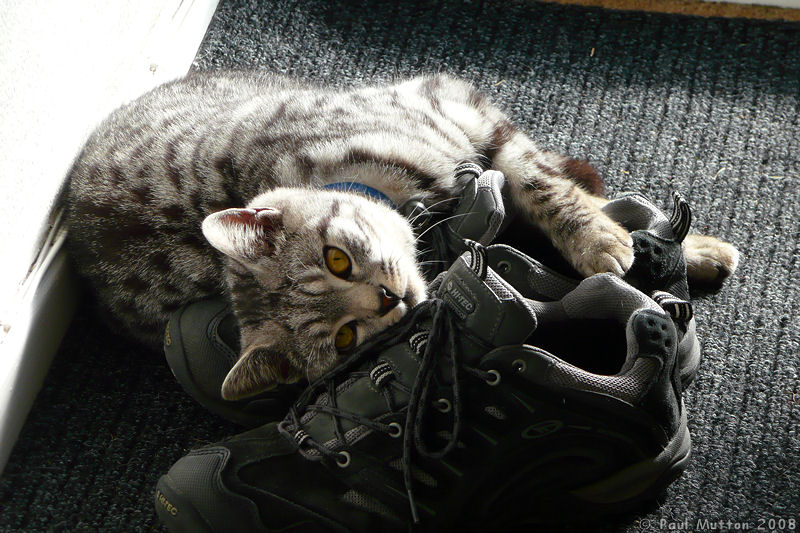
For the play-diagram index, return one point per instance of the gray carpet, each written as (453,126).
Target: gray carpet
(705,106)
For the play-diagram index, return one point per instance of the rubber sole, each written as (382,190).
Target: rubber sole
(643,480)
(623,492)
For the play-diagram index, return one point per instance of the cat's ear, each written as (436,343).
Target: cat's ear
(244,234)
(260,368)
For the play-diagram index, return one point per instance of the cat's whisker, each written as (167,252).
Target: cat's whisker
(428,210)
(439,222)
(426,213)
(444,201)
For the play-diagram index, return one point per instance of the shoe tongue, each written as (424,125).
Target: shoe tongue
(481,211)
(487,306)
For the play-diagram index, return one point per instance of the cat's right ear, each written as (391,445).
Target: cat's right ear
(245,234)
(260,368)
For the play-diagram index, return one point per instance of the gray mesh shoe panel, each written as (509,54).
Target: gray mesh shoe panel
(368,503)
(628,386)
(606,296)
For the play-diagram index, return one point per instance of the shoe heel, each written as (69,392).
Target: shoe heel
(175,512)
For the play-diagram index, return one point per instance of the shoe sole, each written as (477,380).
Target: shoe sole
(643,480)
(621,492)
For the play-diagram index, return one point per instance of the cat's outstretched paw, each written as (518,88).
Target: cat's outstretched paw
(604,246)
(708,259)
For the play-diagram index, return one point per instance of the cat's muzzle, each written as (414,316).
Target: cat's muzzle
(388,300)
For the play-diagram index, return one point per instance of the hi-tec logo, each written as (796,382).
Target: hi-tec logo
(458,301)
(160,498)
(542,429)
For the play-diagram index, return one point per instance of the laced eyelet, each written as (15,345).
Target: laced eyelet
(396,430)
(503,267)
(494,380)
(519,366)
(443,405)
(343,459)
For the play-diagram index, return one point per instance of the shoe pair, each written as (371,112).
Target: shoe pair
(487,406)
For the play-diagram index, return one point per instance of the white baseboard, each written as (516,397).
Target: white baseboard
(45,308)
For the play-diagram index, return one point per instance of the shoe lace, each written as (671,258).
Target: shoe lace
(442,332)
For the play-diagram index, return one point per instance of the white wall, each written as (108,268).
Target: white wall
(65,66)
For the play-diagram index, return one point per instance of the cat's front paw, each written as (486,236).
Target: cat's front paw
(708,259)
(604,246)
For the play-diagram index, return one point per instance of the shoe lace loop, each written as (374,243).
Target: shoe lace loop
(678,309)
(381,373)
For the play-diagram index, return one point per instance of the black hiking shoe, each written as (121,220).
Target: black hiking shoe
(483,214)
(201,343)
(659,268)
(479,410)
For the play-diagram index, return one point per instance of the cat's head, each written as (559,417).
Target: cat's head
(312,274)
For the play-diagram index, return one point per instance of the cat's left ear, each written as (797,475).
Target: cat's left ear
(244,234)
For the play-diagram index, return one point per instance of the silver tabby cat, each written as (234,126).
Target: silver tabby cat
(234,162)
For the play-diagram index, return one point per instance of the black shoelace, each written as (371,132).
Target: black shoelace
(425,342)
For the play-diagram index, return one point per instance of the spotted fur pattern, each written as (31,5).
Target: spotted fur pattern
(159,167)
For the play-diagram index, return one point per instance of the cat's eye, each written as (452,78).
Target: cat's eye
(337,262)
(346,337)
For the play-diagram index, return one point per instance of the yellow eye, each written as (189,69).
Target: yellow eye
(337,262)
(345,337)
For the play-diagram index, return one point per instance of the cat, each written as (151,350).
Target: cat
(213,184)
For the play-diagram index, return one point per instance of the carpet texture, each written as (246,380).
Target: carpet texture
(705,106)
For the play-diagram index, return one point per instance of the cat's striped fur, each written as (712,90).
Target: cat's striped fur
(158,167)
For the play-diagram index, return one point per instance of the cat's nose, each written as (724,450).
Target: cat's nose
(388,300)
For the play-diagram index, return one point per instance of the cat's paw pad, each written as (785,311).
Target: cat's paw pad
(708,259)
(603,247)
